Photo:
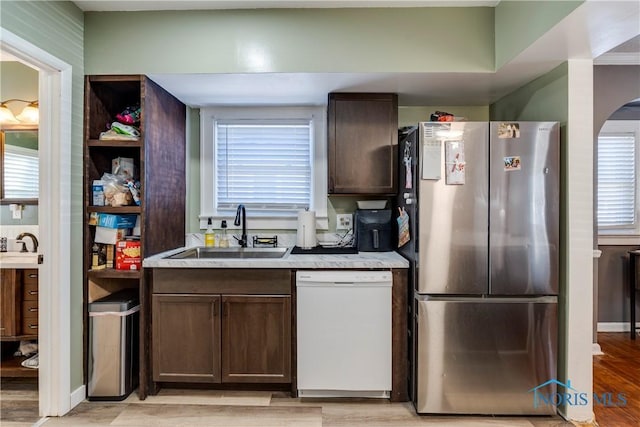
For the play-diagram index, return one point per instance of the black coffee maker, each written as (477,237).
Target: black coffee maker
(374,230)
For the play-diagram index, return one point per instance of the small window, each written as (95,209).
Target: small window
(20,172)
(270,159)
(263,164)
(617,180)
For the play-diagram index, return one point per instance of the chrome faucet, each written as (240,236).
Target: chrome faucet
(24,245)
(243,237)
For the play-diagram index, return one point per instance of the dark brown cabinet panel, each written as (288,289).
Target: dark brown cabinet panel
(10,302)
(362,142)
(248,340)
(186,338)
(256,339)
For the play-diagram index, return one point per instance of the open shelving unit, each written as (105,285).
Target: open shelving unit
(159,157)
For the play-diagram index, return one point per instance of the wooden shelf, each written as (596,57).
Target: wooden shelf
(11,367)
(160,167)
(114,143)
(112,273)
(115,209)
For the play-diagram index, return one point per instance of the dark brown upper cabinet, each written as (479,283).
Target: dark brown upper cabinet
(363,143)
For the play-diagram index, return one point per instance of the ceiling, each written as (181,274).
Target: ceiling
(91,5)
(593,29)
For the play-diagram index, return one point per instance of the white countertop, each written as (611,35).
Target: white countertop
(20,260)
(360,260)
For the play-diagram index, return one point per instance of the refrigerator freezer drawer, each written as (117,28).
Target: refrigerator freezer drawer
(484,357)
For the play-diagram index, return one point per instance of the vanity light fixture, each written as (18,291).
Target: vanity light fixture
(29,114)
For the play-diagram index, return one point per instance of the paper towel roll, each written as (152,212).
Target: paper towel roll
(306,229)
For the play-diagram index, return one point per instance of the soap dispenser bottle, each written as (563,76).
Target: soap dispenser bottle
(209,235)
(224,238)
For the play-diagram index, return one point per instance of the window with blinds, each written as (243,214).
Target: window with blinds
(263,164)
(616,180)
(21,172)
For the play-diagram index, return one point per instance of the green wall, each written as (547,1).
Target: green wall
(290,40)
(58,28)
(17,81)
(519,23)
(545,98)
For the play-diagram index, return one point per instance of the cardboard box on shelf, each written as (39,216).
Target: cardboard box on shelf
(110,236)
(111,249)
(98,256)
(116,221)
(128,255)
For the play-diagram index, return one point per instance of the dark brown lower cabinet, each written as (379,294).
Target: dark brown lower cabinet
(10,302)
(256,339)
(186,338)
(250,342)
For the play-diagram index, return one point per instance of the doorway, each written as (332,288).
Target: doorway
(618,215)
(19,215)
(54,148)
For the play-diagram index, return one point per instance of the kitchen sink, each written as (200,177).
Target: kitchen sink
(226,253)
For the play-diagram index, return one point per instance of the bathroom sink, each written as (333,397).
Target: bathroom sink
(21,257)
(229,253)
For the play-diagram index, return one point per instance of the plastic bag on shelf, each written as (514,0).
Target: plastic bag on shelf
(130,115)
(125,130)
(116,190)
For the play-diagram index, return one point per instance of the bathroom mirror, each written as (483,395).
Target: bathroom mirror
(19,165)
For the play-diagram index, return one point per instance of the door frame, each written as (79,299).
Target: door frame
(54,223)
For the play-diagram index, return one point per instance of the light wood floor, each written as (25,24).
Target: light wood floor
(617,371)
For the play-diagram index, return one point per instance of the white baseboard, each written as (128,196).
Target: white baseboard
(596,350)
(78,395)
(615,326)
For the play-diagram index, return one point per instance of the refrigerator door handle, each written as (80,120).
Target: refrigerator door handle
(376,238)
(546,299)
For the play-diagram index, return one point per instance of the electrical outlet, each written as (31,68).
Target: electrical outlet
(343,221)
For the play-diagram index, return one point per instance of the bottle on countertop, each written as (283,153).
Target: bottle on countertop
(209,236)
(224,238)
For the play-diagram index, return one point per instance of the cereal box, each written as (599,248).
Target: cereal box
(128,255)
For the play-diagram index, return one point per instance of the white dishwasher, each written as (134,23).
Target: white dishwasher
(344,333)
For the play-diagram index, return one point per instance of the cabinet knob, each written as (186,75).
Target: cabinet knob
(33,292)
(33,275)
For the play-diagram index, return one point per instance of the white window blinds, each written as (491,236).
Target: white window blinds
(263,164)
(616,180)
(20,173)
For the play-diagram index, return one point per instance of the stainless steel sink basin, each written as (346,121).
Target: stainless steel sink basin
(229,253)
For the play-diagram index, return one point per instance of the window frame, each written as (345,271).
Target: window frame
(620,235)
(19,150)
(284,221)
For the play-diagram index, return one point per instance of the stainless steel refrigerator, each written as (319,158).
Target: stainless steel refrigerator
(483,203)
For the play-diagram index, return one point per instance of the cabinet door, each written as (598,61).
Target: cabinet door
(9,302)
(363,141)
(256,339)
(186,338)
